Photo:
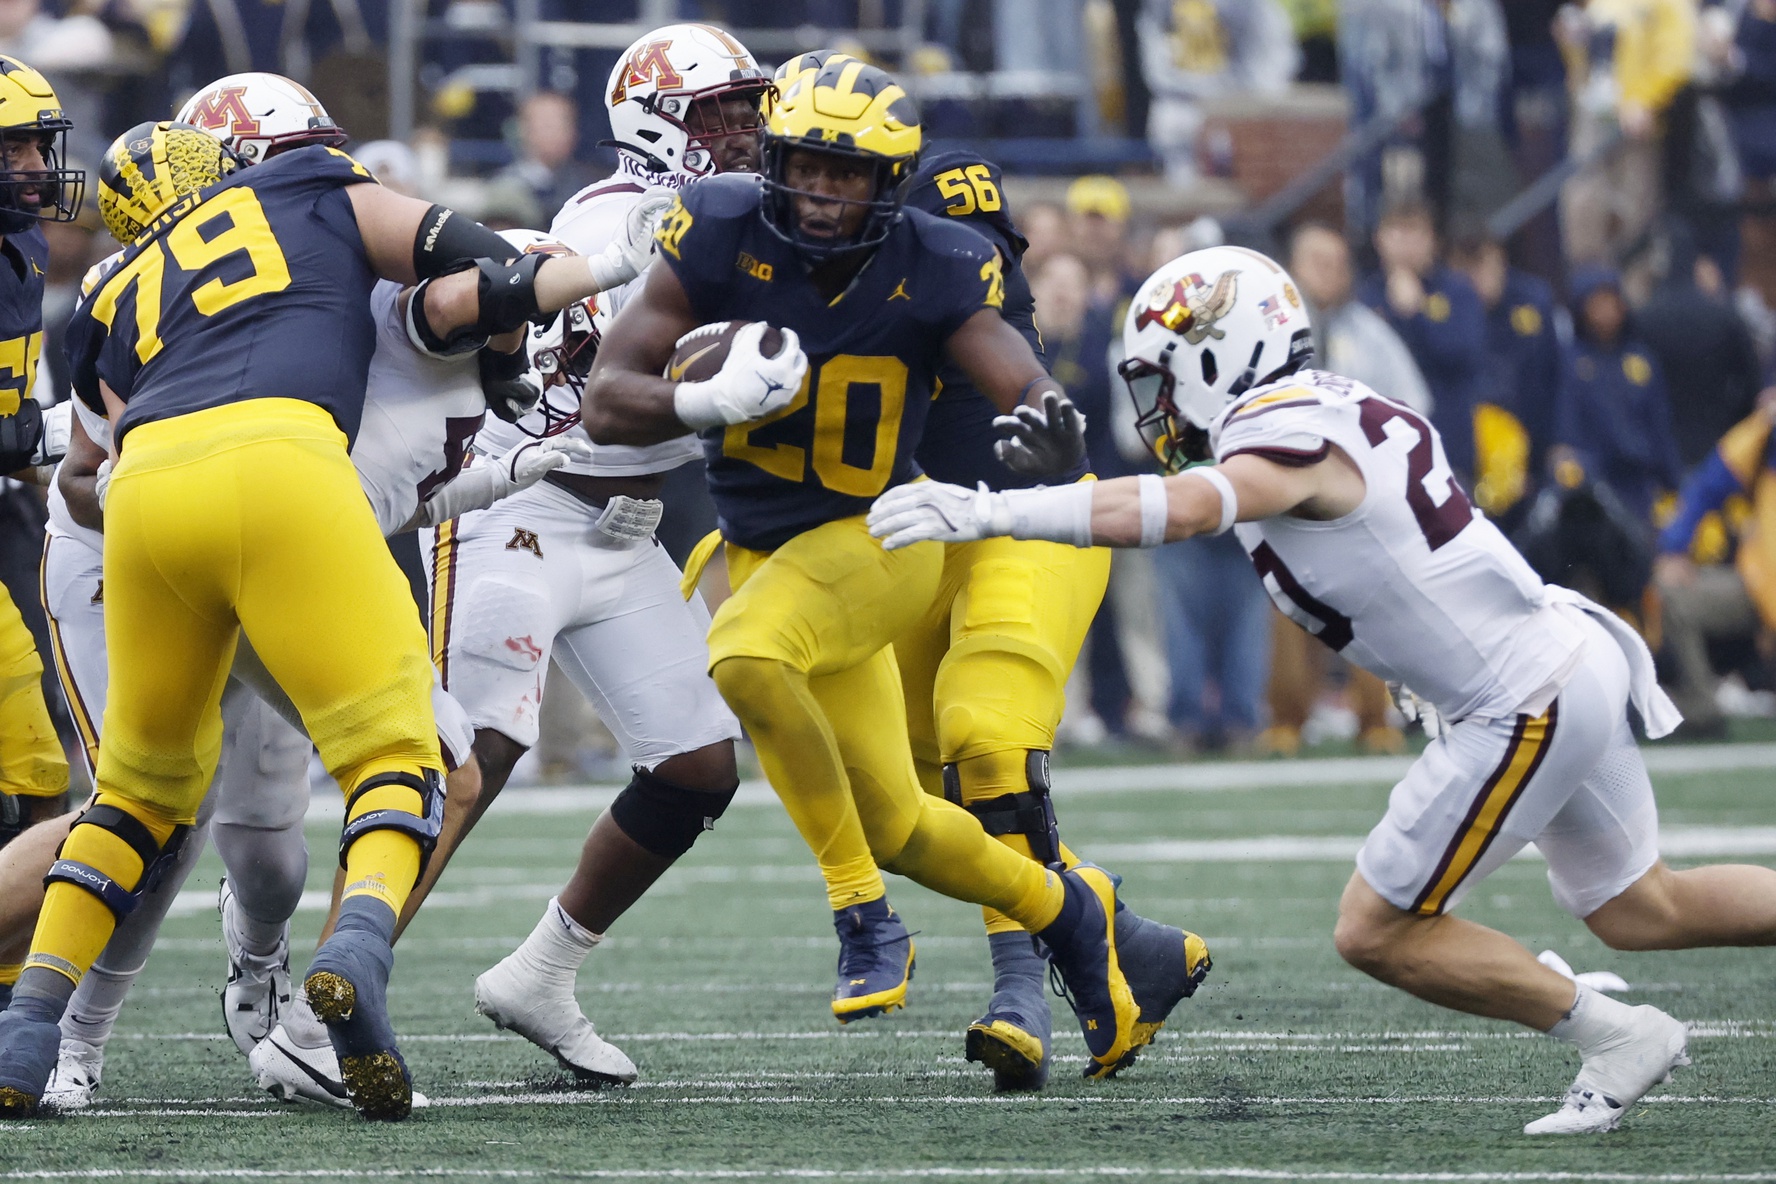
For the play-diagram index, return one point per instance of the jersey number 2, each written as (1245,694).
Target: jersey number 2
(1425,471)
(195,243)
(840,381)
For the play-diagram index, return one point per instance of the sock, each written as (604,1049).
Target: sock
(1016,964)
(256,938)
(1593,1018)
(96,1004)
(556,948)
(368,913)
(383,864)
(41,994)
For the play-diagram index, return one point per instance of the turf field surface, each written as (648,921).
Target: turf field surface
(1287,1064)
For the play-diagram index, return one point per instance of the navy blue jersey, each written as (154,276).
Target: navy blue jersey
(873,352)
(257,287)
(23,259)
(959,435)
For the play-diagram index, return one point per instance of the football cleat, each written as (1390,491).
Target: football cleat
(553,1022)
(28,1050)
(258,989)
(347,987)
(1012,1038)
(1164,965)
(76,1078)
(1082,949)
(1640,1055)
(297,1059)
(875,961)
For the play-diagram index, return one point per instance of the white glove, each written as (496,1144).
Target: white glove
(480,485)
(102,481)
(57,424)
(629,253)
(749,385)
(931,510)
(1413,708)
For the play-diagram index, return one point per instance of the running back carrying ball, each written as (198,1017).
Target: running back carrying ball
(734,371)
(702,351)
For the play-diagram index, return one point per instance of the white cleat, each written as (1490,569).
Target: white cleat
(258,990)
(1641,1055)
(553,1022)
(76,1077)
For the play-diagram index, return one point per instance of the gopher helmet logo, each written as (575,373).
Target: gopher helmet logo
(1191,306)
(649,63)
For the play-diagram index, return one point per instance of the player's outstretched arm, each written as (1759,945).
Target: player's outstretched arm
(626,400)
(1127,512)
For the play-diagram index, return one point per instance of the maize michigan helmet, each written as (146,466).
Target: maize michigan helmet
(151,166)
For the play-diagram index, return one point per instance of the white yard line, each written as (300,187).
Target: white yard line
(933,1172)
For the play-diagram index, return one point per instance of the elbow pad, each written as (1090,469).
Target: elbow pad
(508,293)
(447,241)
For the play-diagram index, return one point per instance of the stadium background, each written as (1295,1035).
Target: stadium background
(1554,139)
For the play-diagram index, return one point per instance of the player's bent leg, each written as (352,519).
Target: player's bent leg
(1717,905)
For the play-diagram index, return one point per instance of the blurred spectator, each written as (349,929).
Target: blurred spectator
(1316,31)
(69,50)
(1217,630)
(1713,601)
(393,163)
(1349,338)
(1626,61)
(1436,312)
(1203,49)
(1748,69)
(548,131)
(1614,418)
(1045,228)
(1703,348)
(1514,418)
(1097,231)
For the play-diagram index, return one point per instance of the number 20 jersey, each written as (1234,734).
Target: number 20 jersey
(873,354)
(259,291)
(1414,585)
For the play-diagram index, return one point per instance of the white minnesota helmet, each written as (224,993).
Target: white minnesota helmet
(1202,330)
(560,351)
(259,115)
(661,76)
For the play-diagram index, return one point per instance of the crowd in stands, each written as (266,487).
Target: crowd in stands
(1601,369)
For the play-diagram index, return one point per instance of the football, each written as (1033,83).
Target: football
(703,351)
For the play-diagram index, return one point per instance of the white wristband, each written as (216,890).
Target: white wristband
(1154,511)
(1060,515)
(1224,487)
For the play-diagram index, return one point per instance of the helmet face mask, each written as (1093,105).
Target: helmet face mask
(46,190)
(562,353)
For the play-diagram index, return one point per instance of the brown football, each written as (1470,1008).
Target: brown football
(702,351)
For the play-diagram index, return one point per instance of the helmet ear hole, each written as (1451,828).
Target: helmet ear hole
(1209,369)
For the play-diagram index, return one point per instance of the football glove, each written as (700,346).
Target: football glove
(22,436)
(506,381)
(102,481)
(1414,708)
(931,510)
(1041,443)
(628,255)
(747,387)
(480,485)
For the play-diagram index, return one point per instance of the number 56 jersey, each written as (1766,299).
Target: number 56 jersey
(1413,585)
(257,287)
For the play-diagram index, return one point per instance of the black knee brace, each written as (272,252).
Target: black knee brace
(665,818)
(155,859)
(424,826)
(1030,813)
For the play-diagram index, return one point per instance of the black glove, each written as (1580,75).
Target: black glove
(506,380)
(1046,443)
(21,434)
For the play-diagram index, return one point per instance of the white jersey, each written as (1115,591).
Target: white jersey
(421,414)
(1414,585)
(590,221)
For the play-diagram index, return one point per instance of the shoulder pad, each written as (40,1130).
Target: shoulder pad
(1288,422)
(961,184)
(316,162)
(948,238)
(726,195)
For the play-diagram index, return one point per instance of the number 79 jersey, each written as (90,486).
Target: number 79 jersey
(1414,585)
(257,287)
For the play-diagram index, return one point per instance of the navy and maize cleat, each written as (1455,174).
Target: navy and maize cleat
(1082,950)
(28,1051)
(347,986)
(1164,966)
(875,961)
(1012,1038)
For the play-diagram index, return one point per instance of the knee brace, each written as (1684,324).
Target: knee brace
(1030,813)
(665,818)
(424,826)
(155,858)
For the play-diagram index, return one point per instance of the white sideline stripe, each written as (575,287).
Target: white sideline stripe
(925,1173)
(1678,842)
(1677,760)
